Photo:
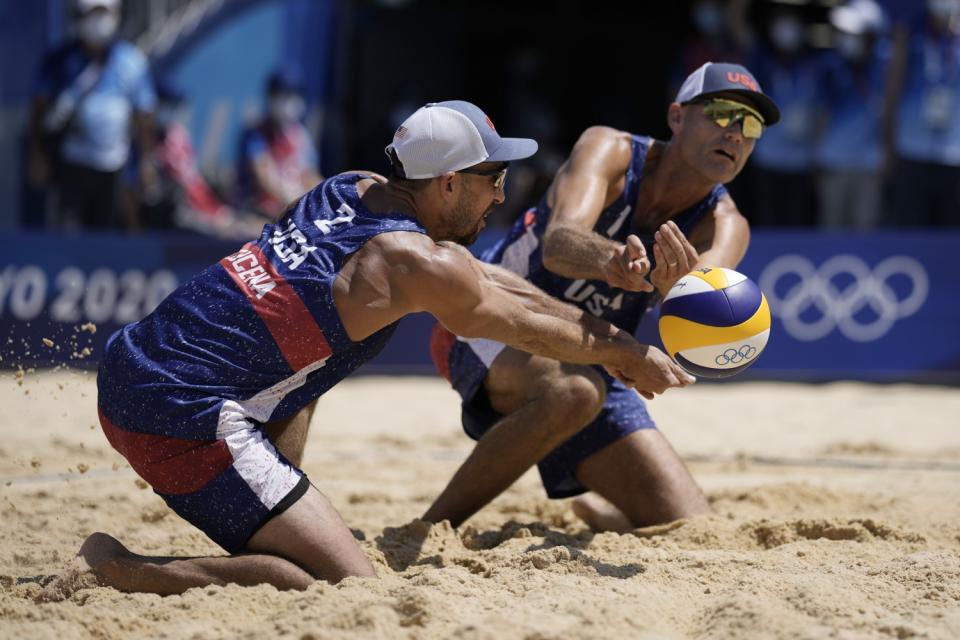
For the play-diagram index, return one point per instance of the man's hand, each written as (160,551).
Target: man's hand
(675,257)
(629,266)
(651,373)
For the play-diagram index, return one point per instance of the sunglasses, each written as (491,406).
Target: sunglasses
(498,173)
(727,112)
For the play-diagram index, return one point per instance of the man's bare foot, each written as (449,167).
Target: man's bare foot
(85,570)
(600,515)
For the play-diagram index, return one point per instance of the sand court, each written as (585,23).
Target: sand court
(837,515)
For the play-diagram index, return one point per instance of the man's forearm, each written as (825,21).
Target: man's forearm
(530,296)
(511,310)
(556,329)
(576,253)
(585,340)
(521,290)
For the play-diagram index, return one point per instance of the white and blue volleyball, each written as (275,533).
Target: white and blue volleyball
(714,322)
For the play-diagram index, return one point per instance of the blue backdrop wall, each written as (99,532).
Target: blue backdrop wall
(880,307)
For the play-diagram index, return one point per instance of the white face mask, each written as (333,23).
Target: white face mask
(287,109)
(787,34)
(97,29)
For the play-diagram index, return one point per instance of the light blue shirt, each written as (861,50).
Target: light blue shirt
(928,116)
(96,102)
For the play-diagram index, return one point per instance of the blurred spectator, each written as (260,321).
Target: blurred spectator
(278,160)
(851,152)
(719,34)
(926,179)
(90,93)
(180,196)
(783,161)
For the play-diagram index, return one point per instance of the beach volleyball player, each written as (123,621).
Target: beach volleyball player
(625,217)
(208,397)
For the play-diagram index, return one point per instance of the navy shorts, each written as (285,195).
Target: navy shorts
(208,458)
(465,363)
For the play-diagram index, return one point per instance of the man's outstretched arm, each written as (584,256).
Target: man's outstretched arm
(473,299)
(571,248)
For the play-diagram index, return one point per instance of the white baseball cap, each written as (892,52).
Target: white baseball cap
(450,136)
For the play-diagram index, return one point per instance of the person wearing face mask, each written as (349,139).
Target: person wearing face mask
(926,129)
(851,151)
(278,161)
(91,95)
(781,180)
(181,196)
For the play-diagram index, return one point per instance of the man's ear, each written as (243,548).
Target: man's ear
(675,117)
(448,183)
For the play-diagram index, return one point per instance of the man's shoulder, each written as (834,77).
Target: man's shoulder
(364,175)
(604,149)
(723,202)
(417,257)
(412,262)
(603,134)
(402,247)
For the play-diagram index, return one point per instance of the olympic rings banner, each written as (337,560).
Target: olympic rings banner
(882,306)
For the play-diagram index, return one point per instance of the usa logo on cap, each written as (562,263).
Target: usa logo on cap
(725,77)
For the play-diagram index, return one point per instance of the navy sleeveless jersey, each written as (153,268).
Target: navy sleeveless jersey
(258,328)
(521,251)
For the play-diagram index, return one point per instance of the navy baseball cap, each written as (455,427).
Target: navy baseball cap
(725,78)
(450,136)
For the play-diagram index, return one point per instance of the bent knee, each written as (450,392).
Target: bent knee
(569,393)
(578,396)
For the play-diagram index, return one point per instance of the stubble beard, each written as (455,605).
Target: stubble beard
(461,220)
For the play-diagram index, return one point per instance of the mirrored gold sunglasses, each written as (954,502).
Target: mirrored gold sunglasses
(727,112)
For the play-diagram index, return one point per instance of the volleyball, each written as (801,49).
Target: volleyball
(714,322)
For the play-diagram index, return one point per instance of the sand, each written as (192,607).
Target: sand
(837,515)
